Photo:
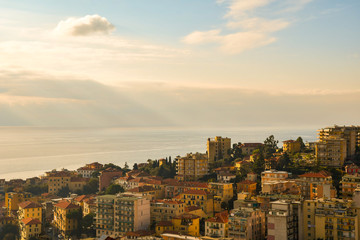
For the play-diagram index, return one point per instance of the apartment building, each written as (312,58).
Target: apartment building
(291,146)
(118,214)
(218,148)
(165,209)
(331,151)
(89,169)
(64,224)
(192,167)
(2,185)
(217,226)
(348,185)
(12,200)
(247,223)
(285,220)
(59,179)
(187,224)
(224,191)
(29,228)
(330,219)
(248,148)
(200,198)
(316,185)
(29,209)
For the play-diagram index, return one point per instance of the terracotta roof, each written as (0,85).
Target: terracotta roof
(247,182)
(30,221)
(80,198)
(66,205)
(196,192)
(222,217)
(186,216)
(139,233)
(315,175)
(164,223)
(168,201)
(29,204)
(142,189)
(192,208)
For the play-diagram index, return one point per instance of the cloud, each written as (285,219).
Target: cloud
(249,30)
(88,25)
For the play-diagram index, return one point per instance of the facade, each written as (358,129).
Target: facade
(106,177)
(217,226)
(246,186)
(187,224)
(147,192)
(192,167)
(29,209)
(285,220)
(247,223)
(316,185)
(348,185)
(118,214)
(248,148)
(58,180)
(291,146)
(331,151)
(224,191)
(352,169)
(62,223)
(349,133)
(218,148)
(330,219)
(199,198)
(273,175)
(12,200)
(29,227)
(165,209)
(89,169)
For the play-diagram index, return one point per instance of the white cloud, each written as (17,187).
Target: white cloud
(198,37)
(250,30)
(88,25)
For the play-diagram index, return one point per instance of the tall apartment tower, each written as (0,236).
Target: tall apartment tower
(285,220)
(349,133)
(217,148)
(118,214)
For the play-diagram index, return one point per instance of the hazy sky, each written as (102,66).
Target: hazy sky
(179,62)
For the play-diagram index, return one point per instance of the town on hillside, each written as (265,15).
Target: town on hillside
(247,191)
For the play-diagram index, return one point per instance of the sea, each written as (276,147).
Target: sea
(31,151)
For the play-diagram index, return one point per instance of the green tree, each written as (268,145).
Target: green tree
(270,146)
(63,192)
(36,189)
(259,164)
(114,189)
(135,167)
(126,166)
(91,187)
(284,162)
(302,145)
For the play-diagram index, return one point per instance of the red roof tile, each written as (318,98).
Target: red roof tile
(66,205)
(196,192)
(30,221)
(29,204)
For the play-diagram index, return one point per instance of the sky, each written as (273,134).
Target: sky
(210,63)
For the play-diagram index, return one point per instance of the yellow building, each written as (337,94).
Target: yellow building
(291,146)
(331,151)
(30,209)
(192,167)
(163,226)
(30,227)
(223,190)
(218,148)
(330,219)
(217,226)
(348,185)
(12,200)
(199,198)
(60,179)
(187,224)
(349,133)
(62,223)
(165,209)
(246,186)
(316,185)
